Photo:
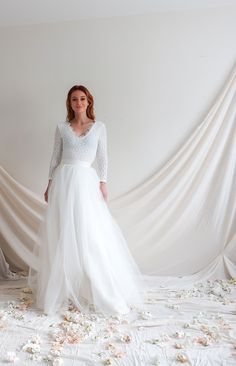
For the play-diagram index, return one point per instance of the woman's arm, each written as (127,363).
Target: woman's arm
(56,154)
(55,158)
(102,160)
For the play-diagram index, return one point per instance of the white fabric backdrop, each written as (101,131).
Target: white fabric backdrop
(179,222)
(4,266)
(182,219)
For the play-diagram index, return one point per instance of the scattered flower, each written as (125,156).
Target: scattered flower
(203,341)
(119,354)
(108,361)
(12,357)
(145,315)
(32,345)
(2,315)
(165,337)
(125,338)
(154,341)
(110,346)
(27,290)
(173,306)
(180,357)
(179,335)
(3,325)
(57,361)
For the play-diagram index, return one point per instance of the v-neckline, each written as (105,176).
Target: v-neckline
(81,135)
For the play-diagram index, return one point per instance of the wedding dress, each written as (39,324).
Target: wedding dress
(82,254)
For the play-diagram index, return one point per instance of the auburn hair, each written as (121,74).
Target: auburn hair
(89,111)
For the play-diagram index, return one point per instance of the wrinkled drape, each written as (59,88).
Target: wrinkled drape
(178,222)
(182,220)
(4,266)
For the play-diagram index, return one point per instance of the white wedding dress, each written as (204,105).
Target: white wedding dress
(82,254)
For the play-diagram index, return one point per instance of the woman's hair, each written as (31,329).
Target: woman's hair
(89,111)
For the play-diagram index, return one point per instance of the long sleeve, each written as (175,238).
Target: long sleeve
(102,158)
(57,152)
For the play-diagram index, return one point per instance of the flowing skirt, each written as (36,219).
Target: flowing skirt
(82,254)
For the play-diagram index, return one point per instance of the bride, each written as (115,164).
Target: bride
(81,252)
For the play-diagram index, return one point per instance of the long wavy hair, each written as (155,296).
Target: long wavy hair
(90,108)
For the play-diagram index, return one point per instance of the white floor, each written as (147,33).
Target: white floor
(194,325)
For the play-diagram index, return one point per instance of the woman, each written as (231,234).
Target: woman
(82,254)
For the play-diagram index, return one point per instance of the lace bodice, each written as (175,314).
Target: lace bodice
(69,145)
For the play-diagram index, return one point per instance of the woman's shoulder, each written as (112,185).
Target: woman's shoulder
(60,125)
(101,123)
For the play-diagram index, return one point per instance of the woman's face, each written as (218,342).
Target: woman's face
(79,101)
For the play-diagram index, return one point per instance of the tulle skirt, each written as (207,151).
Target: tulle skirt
(83,257)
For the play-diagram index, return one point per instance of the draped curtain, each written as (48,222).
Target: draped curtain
(181,221)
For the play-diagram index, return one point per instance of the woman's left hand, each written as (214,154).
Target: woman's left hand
(103,188)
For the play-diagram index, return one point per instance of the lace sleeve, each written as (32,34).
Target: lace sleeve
(56,154)
(102,159)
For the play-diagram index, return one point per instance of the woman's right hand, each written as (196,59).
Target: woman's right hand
(46,192)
